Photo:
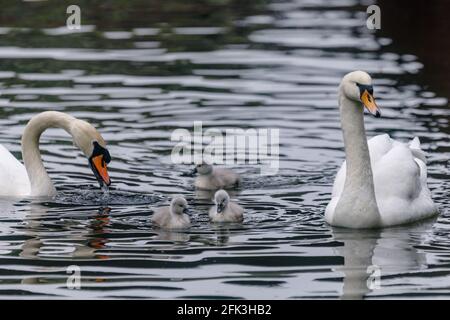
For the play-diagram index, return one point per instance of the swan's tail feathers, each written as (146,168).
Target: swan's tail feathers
(415,143)
(417,152)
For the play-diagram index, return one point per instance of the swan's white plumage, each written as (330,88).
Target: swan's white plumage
(14,179)
(382,182)
(31,178)
(400,181)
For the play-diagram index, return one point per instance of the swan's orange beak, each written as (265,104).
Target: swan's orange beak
(369,102)
(100,169)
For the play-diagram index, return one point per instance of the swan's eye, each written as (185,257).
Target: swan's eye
(99,150)
(364,87)
(106,156)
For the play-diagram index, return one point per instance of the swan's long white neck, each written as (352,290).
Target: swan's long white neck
(41,184)
(359,170)
(357,206)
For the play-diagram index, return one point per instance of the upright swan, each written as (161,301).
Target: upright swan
(32,179)
(382,182)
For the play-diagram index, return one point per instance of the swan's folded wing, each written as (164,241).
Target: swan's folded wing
(378,146)
(14,179)
(401,187)
(417,151)
(397,175)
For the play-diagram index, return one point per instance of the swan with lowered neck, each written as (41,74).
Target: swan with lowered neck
(382,182)
(32,179)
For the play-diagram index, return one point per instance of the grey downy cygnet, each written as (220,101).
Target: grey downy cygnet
(173,216)
(225,210)
(211,178)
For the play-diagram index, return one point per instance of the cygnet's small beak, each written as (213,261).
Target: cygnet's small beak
(220,207)
(194,171)
(186,211)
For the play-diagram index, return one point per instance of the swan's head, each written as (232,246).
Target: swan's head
(203,168)
(221,198)
(179,206)
(92,144)
(357,86)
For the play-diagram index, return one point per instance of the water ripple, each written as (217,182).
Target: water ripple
(275,69)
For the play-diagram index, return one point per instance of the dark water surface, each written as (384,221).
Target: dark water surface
(276,68)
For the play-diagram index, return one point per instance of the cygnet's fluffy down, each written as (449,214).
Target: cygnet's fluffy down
(173,216)
(211,178)
(225,210)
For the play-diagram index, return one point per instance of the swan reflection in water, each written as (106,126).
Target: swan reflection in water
(86,241)
(371,255)
(394,250)
(40,223)
(172,236)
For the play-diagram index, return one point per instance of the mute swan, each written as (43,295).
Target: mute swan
(32,179)
(382,182)
(174,216)
(224,210)
(211,178)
